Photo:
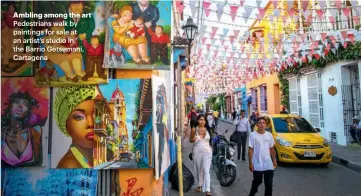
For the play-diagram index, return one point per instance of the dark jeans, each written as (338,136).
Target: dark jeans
(193,123)
(355,134)
(216,121)
(257,180)
(241,144)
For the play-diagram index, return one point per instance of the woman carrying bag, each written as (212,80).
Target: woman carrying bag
(202,154)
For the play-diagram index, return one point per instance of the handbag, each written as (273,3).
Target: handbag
(233,137)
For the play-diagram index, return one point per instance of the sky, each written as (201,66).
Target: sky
(165,12)
(129,89)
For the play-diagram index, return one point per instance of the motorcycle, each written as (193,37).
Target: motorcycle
(223,152)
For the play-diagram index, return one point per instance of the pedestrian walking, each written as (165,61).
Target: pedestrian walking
(234,114)
(216,116)
(283,110)
(355,130)
(192,117)
(243,127)
(210,119)
(262,159)
(202,154)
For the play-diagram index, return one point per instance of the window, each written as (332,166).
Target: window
(315,100)
(292,125)
(254,98)
(263,98)
(295,96)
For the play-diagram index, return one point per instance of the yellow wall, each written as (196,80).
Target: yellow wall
(273,92)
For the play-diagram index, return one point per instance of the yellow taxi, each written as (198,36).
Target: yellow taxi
(297,141)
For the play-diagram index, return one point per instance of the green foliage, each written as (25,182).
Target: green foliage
(110,129)
(167,29)
(137,102)
(352,52)
(102,38)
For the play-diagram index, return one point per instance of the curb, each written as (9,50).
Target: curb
(336,159)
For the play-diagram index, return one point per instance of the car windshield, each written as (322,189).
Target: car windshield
(292,125)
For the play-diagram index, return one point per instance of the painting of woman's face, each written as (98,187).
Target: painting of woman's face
(80,124)
(127,16)
(20,108)
(11,8)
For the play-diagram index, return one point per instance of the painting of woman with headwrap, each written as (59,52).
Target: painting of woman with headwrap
(74,117)
(23,117)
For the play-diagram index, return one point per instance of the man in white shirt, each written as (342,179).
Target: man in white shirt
(210,119)
(242,128)
(262,159)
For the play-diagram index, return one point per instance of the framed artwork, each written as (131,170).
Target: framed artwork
(138,34)
(44,182)
(24,122)
(73,127)
(123,124)
(12,63)
(161,124)
(78,58)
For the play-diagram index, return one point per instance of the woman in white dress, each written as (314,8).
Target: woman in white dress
(202,154)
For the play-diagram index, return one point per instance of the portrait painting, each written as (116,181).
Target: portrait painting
(161,124)
(123,124)
(138,34)
(42,181)
(24,122)
(78,58)
(73,127)
(11,64)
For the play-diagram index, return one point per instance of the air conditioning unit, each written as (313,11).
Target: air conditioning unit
(333,137)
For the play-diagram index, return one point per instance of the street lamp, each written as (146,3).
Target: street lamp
(191,30)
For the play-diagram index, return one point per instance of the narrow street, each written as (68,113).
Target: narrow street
(289,180)
(132,164)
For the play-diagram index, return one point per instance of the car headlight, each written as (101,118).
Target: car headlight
(283,142)
(232,151)
(325,143)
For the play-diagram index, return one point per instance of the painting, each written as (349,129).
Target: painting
(161,124)
(44,182)
(123,124)
(77,59)
(138,34)
(11,61)
(24,122)
(73,127)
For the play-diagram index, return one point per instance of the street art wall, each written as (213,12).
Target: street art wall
(24,122)
(82,61)
(138,34)
(44,182)
(73,127)
(10,66)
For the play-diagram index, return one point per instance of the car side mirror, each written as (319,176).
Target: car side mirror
(318,130)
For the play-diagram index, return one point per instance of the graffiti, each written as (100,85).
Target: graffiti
(131,182)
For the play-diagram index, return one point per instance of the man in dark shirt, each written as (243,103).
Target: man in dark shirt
(283,110)
(234,114)
(149,13)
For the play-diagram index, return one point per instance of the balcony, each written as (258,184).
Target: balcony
(100,129)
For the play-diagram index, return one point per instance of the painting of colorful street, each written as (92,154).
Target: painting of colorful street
(123,124)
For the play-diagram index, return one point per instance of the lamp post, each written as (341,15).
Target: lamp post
(190,30)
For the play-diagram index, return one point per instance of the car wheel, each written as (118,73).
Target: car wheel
(324,165)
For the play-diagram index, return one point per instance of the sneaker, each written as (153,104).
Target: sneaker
(244,161)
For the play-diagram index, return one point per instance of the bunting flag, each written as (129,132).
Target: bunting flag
(274,3)
(236,33)
(225,31)
(247,12)
(241,2)
(220,7)
(179,6)
(338,3)
(194,10)
(304,4)
(234,10)
(319,13)
(258,2)
(346,11)
(206,8)
(261,12)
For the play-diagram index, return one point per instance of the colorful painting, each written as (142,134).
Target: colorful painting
(46,182)
(161,124)
(79,59)
(73,127)
(138,34)
(123,124)
(12,63)
(24,122)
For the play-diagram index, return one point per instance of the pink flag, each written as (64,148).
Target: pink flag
(180,6)
(204,40)
(206,7)
(319,13)
(241,2)
(345,45)
(344,34)
(346,11)
(356,20)
(274,2)
(304,4)
(261,11)
(214,31)
(234,10)
(235,33)
(231,39)
(222,42)
(338,3)
(323,35)
(332,20)
(351,37)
